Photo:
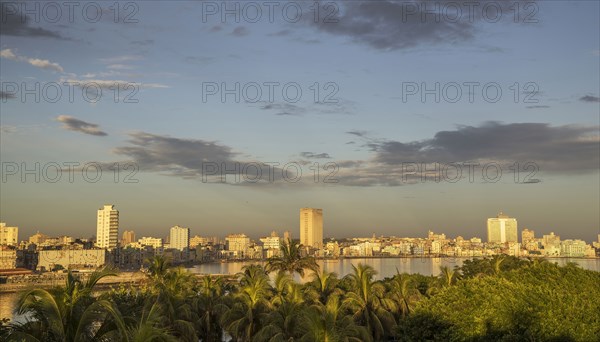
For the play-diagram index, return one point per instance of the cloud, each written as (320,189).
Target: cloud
(119,67)
(36,62)
(187,157)
(562,148)
(111,84)
(18,24)
(7,129)
(589,98)
(240,31)
(282,109)
(358,133)
(537,107)
(393,25)
(81,126)
(5,96)
(311,155)
(345,107)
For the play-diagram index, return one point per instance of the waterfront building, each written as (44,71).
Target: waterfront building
(502,229)
(71,259)
(179,238)
(311,227)
(107,228)
(237,243)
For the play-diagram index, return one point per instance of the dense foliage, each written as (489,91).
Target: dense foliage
(497,299)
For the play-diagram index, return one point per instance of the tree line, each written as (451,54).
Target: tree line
(501,298)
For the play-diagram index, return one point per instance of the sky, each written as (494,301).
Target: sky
(394,117)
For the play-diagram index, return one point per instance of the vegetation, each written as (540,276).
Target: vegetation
(496,299)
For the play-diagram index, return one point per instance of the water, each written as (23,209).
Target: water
(386,267)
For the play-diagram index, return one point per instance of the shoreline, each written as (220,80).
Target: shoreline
(49,280)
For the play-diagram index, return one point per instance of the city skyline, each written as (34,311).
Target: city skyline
(363,107)
(167,233)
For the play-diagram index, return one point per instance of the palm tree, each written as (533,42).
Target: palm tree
(322,286)
(69,313)
(404,294)
(242,319)
(149,326)
(328,323)
(291,260)
(449,276)
(497,263)
(281,324)
(157,268)
(282,286)
(207,307)
(366,300)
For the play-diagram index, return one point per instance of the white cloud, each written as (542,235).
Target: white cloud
(111,84)
(36,62)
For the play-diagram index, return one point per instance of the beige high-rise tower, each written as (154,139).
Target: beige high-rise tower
(311,227)
(107,228)
(502,229)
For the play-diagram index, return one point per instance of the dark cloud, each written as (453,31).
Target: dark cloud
(5,96)
(81,126)
(589,98)
(240,31)
(358,133)
(19,24)
(393,25)
(283,109)
(561,148)
(186,158)
(312,155)
(344,107)
(281,33)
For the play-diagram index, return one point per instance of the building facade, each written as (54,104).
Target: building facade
(71,259)
(502,229)
(107,228)
(311,227)
(238,243)
(179,238)
(128,237)
(9,236)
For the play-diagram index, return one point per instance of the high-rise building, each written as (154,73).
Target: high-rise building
(502,229)
(179,238)
(107,228)
(9,235)
(127,238)
(311,227)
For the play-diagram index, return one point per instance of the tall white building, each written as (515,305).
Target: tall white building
(179,238)
(9,235)
(107,228)
(311,227)
(502,229)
